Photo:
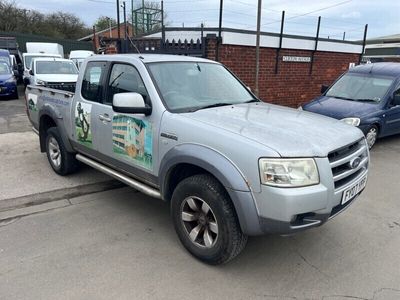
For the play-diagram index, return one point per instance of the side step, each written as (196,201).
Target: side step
(141,187)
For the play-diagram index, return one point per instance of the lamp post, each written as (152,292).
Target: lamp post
(258,46)
(119,29)
(109,26)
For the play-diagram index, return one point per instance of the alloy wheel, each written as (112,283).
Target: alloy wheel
(199,222)
(371,136)
(54,152)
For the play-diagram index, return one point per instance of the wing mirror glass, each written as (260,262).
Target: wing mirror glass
(31,72)
(130,103)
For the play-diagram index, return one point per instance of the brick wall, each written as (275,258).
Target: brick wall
(293,85)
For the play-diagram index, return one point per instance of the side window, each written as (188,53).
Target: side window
(91,84)
(125,78)
(396,98)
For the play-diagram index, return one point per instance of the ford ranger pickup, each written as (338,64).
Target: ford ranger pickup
(188,131)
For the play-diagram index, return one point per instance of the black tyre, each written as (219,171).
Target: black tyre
(205,220)
(372,135)
(62,162)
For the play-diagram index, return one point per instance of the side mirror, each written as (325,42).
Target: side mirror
(31,72)
(15,72)
(130,103)
(324,88)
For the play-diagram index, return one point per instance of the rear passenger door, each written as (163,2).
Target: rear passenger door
(86,108)
(126,140)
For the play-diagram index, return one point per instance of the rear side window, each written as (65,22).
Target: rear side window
(91,84)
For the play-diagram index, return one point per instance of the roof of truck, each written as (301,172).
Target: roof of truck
(150,58)
(383,69)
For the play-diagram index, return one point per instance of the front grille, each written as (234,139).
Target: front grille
(64,86)
(341,159)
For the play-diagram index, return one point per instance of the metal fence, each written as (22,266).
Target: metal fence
(157,46)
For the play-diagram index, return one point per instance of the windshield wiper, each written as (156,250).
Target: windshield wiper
(368,100)
(252,100)
(215,105)
(343,98)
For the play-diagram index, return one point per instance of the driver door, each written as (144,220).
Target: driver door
(126,140)
(392,122)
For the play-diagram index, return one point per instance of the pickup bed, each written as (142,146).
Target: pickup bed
(187,131)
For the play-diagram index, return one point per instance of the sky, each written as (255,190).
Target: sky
(338,16)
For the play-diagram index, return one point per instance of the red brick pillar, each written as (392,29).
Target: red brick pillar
(211,46)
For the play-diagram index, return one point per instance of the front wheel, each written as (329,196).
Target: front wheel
(372,136)
(205,220)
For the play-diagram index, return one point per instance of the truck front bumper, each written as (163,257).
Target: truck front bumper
(289,210)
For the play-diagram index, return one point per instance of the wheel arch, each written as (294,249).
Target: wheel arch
(189,159)
(48,119)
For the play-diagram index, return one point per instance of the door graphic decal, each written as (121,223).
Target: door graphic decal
(133,140)
(82,124)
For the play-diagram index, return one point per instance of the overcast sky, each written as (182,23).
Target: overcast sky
(383,16)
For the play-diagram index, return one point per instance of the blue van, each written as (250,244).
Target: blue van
(367,96)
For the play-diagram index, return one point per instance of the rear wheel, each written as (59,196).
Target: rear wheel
(62,162)
(372,136)
(205,220)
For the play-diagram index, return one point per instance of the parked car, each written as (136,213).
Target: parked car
(8,82)
(187,131)
(367,96)
(28,58)
(58,73)
(78,56)
(10,44)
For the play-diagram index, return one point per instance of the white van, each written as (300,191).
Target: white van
(78,56)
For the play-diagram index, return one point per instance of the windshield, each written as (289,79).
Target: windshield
(360,87)
(188,86)
(5,59)
(55,67)
(4,68)
(28,59)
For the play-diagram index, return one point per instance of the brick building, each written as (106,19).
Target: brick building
(108,33)
(293,83)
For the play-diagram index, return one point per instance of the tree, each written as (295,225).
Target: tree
(57,24)
(103,22)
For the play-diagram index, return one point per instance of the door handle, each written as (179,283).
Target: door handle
(104,118)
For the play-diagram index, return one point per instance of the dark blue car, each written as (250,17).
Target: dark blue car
(8,82)
(367,96)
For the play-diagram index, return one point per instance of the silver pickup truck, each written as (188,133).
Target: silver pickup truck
(187,131)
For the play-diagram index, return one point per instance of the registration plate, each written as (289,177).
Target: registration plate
(352,191)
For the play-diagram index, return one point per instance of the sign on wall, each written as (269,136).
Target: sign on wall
(303,59)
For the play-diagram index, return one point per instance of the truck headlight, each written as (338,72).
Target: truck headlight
(296,172)
(351,121)
(40,82)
